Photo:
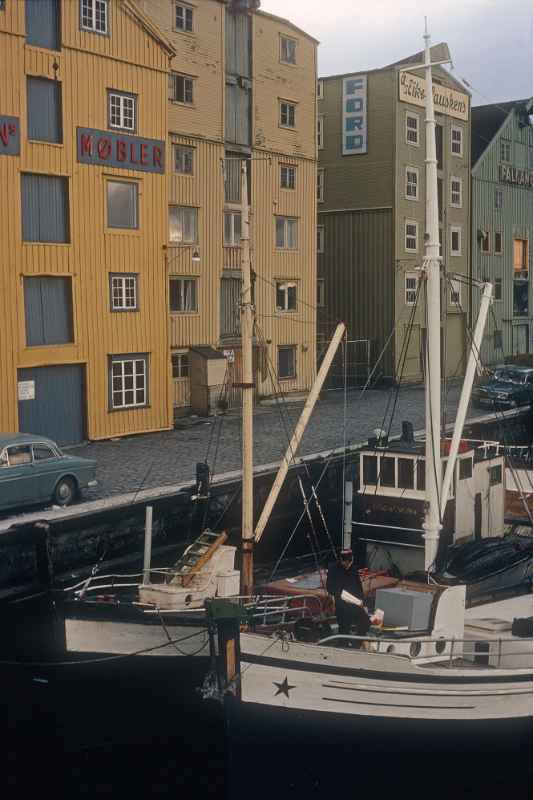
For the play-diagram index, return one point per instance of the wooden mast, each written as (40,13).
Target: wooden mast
(247,322)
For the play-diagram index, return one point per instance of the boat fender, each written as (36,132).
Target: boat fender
(522,626)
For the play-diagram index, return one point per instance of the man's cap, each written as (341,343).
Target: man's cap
(346,553)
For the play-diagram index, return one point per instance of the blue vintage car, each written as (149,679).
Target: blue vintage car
(33,469)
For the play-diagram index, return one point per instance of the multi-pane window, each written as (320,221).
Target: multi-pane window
(320,133)
(320,239)
(122,111)
(184,18)
(411,183)
(505,150)
(122,204)
(530,157)
(411,129)
(498,198)
(286,233)
(129,381)
(320,90)
(183,225)
(183,295)
(286,362)
(180,365)
(484,241)
(520,257)
(411,288)
(456,191)
(285,296)
(181,88)
(498,243)
(232,228)
(123,292)
(497,288)
(45,208)
(183,159)
(320,292)
(44,110)
(287,177)
(457,141)
(287,53)
(320,178)
(94,15)
(455,241)
(455,293)
(411,236)
(287,114)
(498,338)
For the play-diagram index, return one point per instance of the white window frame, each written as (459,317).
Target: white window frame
(500,251)
(91,14)
(498,196)
(507,144)
(320,183)
(293,375)
(233,240)
(412,115)
(176,147)
(287,170)
(139,380)
(414,171)
(410,236)
(185,297)
(453,142)
(320,89)
(181,211)
(320,292)
(456,229)
(127,117)
(289,44)
(455,293)
(459,181)
(285,107)
(180,354)
(188,83)
(124,296)
(320,237)
(411,291)
(498,295)
(185,8)
(483,239)
(320,132)
(283,287)
(288,223)
(530,157)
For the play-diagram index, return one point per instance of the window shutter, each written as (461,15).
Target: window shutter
(42,23)
(44,110)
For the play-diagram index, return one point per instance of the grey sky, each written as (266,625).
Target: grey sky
(491,41)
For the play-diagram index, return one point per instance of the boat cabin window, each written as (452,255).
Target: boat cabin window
(421,475)
(465,468)
(387,476)
(495,475)
(370,470)
(406,473)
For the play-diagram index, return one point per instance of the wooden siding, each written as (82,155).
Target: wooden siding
(514,221)
(130,60)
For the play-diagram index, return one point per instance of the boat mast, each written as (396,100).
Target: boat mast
(432,261)
(247,322)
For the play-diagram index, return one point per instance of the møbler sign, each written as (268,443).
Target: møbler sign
(9,136)
(119,150)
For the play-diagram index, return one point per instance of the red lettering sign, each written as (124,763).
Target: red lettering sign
(132,154)
(144,153)
(156,157)
(104,149)
(86,144)
(122,153)
(4,135)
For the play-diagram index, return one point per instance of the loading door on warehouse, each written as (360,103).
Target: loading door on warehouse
(51,402)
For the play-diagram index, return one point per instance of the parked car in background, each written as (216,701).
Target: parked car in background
(507,387)
(33,469)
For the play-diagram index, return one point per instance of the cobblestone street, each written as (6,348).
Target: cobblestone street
(159,459)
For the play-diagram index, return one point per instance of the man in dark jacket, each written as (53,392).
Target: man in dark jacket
(343,576)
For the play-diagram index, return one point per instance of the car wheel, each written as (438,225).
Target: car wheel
(65,492)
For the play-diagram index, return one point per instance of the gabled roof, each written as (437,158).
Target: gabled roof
(151,29)
(486,122)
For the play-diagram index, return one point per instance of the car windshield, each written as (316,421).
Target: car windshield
(510,376)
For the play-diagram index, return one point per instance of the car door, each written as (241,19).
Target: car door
(47,465)
(16,475)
